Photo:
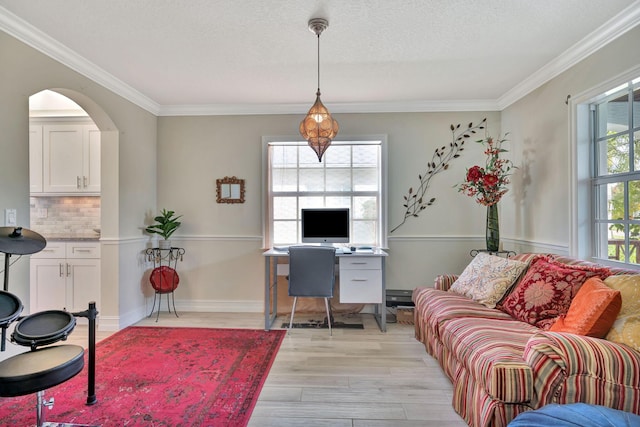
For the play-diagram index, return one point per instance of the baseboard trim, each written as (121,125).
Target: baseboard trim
(220,306)
(108,323)
(115,323)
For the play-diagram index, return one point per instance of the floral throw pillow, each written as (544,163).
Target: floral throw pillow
(487,278)
(546,290)
(626,328)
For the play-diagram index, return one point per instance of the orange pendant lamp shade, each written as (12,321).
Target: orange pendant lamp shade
(318,127)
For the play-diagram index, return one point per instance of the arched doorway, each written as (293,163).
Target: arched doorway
(107,210)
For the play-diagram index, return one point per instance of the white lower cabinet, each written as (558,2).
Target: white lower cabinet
(65,276)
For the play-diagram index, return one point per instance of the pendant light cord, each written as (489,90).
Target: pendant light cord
(318,62)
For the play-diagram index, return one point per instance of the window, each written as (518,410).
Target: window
(616,174)
(349,176)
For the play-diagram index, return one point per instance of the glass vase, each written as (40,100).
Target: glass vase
(493,228)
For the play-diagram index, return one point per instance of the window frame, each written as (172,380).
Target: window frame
(267,217)
(601,179)
(581,167)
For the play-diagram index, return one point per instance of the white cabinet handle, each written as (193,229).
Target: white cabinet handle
(61,272)
(84,181)
(68,272)
(82,250)
(358,280)
(78,182)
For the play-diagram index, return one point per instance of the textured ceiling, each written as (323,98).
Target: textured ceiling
(258,56)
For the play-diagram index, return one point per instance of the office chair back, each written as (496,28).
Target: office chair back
(312,274)
(312,271)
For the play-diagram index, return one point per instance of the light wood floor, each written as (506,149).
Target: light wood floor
(354,378)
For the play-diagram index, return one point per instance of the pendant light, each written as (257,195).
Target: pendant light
(318,127)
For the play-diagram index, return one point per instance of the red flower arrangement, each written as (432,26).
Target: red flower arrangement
(488,184)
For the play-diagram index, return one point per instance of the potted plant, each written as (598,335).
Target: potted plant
(166,224)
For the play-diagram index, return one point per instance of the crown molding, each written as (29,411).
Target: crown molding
(32,36)
(364,107)
(600,37)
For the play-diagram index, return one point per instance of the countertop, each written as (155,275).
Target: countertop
(72,237)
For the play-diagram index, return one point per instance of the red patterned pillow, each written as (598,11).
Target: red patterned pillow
(546,291)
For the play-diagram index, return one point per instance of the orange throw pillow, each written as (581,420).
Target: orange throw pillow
(592,311)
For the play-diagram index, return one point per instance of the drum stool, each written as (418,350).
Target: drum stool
(38,370)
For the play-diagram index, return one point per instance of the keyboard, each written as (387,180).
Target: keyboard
(364,250)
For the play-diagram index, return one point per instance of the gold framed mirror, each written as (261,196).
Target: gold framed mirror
(230,190)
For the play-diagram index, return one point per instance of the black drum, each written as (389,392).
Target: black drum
(38,370)
(10,308)
(43,328)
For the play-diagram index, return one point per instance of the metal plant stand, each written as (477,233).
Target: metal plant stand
(164,277)
(505,254)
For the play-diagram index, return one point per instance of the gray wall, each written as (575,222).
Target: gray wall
(224,242)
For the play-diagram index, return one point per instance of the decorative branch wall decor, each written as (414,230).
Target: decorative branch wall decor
(416,202)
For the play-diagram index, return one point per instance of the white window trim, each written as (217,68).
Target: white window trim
(581,167)
(266,140)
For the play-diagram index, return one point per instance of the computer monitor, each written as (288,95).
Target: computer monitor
(326,226)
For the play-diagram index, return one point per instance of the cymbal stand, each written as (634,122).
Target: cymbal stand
(6,272)
(91,313)
(3,345)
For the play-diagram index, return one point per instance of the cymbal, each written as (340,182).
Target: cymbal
(20,241)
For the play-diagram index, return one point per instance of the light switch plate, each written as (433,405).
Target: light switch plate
(10,218)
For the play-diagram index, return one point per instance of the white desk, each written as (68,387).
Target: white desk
(362,280)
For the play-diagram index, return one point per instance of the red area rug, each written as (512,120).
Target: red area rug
(154,376)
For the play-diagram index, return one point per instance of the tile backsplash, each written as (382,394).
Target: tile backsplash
(74,215)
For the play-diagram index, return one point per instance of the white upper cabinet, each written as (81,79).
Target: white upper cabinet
(63,158)
(91,162)
(35,159)
(70,159)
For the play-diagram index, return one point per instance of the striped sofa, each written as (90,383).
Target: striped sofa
(500,367)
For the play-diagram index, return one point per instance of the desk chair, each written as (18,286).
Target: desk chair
(312,274)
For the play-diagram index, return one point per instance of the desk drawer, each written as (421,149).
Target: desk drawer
(361,286)
(360,263)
